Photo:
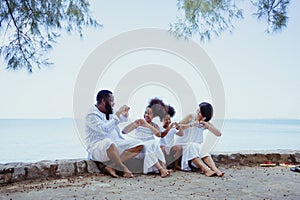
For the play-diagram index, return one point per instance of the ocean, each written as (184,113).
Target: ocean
(32,140)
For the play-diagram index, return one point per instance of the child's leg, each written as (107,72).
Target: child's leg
(177,152)
(162,170)
(163,149)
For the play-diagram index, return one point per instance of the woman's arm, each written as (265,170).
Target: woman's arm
(154,129)
(130,127)
(187,119)
(211,128)
(185,122)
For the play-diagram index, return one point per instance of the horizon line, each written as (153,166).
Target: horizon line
(234,118)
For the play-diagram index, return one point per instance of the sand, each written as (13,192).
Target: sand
(238,183)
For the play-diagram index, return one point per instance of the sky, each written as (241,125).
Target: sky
(259,71)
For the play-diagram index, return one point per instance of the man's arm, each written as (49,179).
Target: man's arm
(94,122)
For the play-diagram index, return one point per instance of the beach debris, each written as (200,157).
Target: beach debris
(267,164)
(286,164)
(295,169)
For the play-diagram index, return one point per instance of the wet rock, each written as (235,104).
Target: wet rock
(37,170)
(297,157)
(253,159)
(65,168)
(6,178)
(92,167)
(6,174)
(19,174)
(81,167)
(52,170)
(15,172)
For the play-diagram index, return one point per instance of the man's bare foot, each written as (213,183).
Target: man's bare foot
(111,171)
(210,173)
(164,172)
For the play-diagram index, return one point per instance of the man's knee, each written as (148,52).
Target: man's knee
(112,147)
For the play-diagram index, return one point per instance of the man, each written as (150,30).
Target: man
(103,137)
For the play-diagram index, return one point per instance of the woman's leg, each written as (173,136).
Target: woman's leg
(211,164)
(201,165)
(131,153)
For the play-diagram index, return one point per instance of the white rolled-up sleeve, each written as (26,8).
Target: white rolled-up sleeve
(102,127)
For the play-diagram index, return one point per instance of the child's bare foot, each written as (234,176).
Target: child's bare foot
(111,171)
(164,172)
(177,167)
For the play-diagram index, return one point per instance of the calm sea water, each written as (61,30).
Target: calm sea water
(39,139)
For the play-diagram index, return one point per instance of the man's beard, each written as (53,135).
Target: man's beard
(108,110)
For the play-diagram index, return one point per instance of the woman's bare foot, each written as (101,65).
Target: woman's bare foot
(220,174)
(127,173)
(164,172)
(210,173)
(111,171)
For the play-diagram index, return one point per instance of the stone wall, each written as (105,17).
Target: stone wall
(16,172)
(254,159)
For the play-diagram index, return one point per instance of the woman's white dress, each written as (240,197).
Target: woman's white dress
(152,152)
(191,142)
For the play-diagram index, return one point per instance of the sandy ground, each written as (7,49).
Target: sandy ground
(238,183)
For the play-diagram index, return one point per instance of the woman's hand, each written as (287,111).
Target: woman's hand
(205,124)
(211,128)
(141,122)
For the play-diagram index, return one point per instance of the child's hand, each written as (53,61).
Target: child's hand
(175,125)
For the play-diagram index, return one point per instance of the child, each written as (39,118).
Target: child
(168,132)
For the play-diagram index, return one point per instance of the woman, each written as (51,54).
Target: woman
(146,131)
(192,140)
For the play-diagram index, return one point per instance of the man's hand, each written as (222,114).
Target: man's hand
(123,111)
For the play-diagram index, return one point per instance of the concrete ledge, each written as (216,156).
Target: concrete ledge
(16,172)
